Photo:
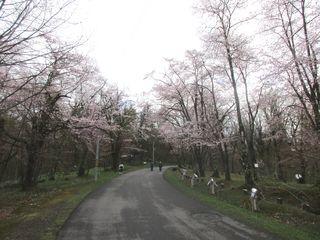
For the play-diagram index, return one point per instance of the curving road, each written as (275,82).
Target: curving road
(142,205)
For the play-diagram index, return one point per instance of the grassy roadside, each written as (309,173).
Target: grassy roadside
(260,220)
(40,213)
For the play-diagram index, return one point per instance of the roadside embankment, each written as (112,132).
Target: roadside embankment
(39,213)
(285,221)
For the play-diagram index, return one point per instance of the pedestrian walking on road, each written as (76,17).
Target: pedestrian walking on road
(160,166)
(151,166)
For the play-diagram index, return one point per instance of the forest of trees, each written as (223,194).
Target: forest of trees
(247,104)
(55,106)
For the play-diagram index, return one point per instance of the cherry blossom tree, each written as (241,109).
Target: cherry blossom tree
(232,49)
(24,25)
(292,26)
(190,103)
(42,113)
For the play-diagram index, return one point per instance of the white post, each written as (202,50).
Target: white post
(97,161)
(213,191)
(253,199)
(255,208)
(183,174)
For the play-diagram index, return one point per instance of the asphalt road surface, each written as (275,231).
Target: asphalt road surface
(142,205)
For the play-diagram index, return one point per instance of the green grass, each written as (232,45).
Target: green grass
(273,218)
(40,213)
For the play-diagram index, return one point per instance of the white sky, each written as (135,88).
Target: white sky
(130,38)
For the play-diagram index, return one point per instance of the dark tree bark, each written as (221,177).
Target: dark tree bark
(30,176)
(198,156)
(279,165)
(116,151)
(83,161)
(42,125)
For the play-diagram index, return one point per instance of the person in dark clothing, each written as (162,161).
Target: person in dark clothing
(160,166)
(151,166)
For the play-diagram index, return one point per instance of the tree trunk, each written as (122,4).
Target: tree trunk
(233,154)
(303,166)
(225,159)
(4,163)
(247,166)
(83,162)
(33,147)
(29,179)
(53,170)
(317,175)
(248,178)
(197,152)
(279,167)
(252,157)
(116,148)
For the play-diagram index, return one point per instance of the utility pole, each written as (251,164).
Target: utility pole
(97,161)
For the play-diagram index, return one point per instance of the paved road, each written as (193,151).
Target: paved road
(142,205)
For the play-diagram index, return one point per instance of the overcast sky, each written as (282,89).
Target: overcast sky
(130,38)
